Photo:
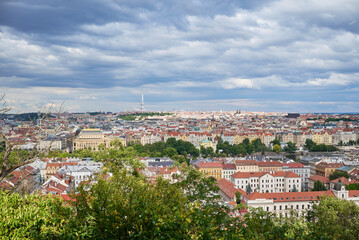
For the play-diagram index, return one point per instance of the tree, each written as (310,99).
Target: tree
(12,156)
(290,148)
(276,148)
(338,174)
(238,196)
(34,217)
(248,189)
(309,144)
(294,189)
(275,141)
(319,186)
(334,218)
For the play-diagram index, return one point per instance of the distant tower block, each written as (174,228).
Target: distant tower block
(142,104)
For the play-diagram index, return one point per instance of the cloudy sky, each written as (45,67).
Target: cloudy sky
(287,56)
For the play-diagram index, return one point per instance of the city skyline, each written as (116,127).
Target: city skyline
(271,56)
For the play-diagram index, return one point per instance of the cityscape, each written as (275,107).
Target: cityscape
(179,120)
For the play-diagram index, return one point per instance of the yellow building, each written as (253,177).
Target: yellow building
(211,169)
(270,166)
(246,165)
(91,138)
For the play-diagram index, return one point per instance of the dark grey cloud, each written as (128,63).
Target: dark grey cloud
(283,51)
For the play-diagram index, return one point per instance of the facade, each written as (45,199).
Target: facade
(298,168)
(211,169)
(91,138)
(228,169)
(283,203)
(80,172)
(267,182)
(246,165)
(319,178)
(326,169)
(271,166)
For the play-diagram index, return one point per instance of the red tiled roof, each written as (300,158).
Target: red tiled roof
(322,179)
(344,180)
(293,165)
(209,165)
(289,196)
(229,166)
(228,188)
(269,164)
(245,162)
(353,193)
(287,174)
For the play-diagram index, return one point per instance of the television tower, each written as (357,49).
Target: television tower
(142,104)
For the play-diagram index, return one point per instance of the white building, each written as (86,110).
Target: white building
(228,169)
(267,182)
(80,172)
(302,170)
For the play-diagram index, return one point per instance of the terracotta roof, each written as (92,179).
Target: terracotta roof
(208,165)
(344,180)
(293,165)
(245,162)
(269,164)
(229,166)
(289,196)
(353,193)
(322,179)
(287,174)
(228,188)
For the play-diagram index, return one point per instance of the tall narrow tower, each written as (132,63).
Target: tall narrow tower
(142,104)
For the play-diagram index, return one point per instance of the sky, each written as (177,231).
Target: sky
(209,55)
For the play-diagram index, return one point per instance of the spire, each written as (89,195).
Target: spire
(142,104)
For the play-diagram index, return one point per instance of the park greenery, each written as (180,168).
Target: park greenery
(311,146)
(338,174)
(142,115)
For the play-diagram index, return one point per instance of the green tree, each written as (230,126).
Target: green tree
(319,186)
(34,217)
(290,148)
(338,174)
(309,144)
(248,189)
(334,218)
(170,152)
(275,141)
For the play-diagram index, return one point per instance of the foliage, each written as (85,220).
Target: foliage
(34,217)
(133,116)
(244,148)
(338,174)
(313,147)
(248,189)
(334,218)
(352,186)
(290,148)
(165,149)
(276,148)
(319,186)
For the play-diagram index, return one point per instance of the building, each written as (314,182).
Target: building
(283,203)
(228,191)
(211,169)
(228,169)
(324,180)
(246,165)
(298,168)
(326,169)
(269,166)
(91,138)
(267,182)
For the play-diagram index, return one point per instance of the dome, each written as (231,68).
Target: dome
(338,186)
